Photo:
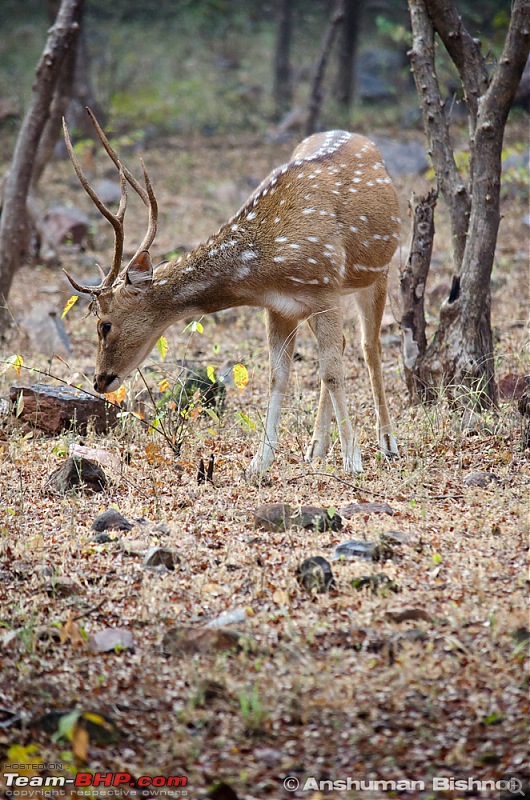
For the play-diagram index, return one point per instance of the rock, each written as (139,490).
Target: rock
(77,474)
(59,586)
(375,583)
(403,157)
(481,479)
(66,225)
(273,517)
(53,409)
(354,548)
(157,557)
(102,538)
(228,618)
(315,575)
(396,537)
(45,329)
(317,519)
(111,639)
(185,640)
(281,517)
(111,520)
(409,614)
(358,548)
(365,508)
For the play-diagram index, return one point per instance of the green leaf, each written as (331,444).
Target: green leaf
(245,421)
(437,558)
(67,725)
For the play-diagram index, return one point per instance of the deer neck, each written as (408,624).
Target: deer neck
(212,277)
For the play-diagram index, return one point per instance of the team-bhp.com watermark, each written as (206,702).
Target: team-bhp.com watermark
(104,784)
(512,785)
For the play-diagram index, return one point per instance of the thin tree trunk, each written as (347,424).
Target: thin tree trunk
(347,53)
(315,100)
(412,281)
(14,224)
(283,90)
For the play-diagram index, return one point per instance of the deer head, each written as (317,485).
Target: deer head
(124,338)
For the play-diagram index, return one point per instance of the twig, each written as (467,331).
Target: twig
(90,611)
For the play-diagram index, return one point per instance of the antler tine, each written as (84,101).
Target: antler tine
(149,237)
(114,157)
(116,220)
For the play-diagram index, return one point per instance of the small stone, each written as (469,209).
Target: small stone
(77,474)
(111,520)
(315,575)
(354,548)
(62,587)
(160,557)
(102,538)
(184,640)
(365,508)
(111,639)
(481,479)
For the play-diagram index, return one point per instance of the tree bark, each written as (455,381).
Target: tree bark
(412,282)
(315,100)
(347,53)
(460,355)
(14,223)
(282,89)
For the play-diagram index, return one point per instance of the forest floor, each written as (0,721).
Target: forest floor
(427,683)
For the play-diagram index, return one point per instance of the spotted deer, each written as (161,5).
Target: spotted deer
(320,227)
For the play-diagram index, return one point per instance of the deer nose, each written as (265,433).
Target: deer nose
(103,382)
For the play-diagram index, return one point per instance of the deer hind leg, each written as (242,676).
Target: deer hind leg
(321,439)
(281,333)
(371,303)
(327,327)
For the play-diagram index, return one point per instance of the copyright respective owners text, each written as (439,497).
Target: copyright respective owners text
(508,786)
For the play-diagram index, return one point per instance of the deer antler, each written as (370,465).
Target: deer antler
(116,220)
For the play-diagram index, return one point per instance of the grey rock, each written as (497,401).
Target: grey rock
(161,557)
(354,548)
(111,520)
(77,474)
(315,575)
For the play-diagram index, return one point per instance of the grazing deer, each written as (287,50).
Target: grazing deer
(321,226)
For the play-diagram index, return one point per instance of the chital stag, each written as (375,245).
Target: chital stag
(322,226)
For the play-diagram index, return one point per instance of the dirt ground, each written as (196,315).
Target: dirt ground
(427,683)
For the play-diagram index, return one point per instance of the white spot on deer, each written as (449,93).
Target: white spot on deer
(282,202)
(295,246)
(248,255)
(277,219)
(363,218)
(338,183)
(234,227)
(313,239)
(325,279)
(329,247)
(281,239)
(251,214)
(370,183)
(377,236)
(278,259)
(353,191)
(312,261)
(356,180)
(353,229)
(358,172)
(309,211)
(160,283)
(323,213)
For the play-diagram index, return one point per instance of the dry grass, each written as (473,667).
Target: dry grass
(323,689)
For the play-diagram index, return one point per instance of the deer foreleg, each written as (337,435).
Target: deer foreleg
(281,334)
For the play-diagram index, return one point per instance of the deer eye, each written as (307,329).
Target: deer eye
(104,328)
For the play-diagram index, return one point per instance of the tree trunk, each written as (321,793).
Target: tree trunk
(315,100)
(282,89)
(14,224)
(460,356)
(347,53)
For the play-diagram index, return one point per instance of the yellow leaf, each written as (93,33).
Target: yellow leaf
(80,741)
(163,385)
(162,347)
(118,396)
(16,362)
(71,302)
(240,374)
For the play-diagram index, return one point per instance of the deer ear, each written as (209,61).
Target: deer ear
(140,271)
